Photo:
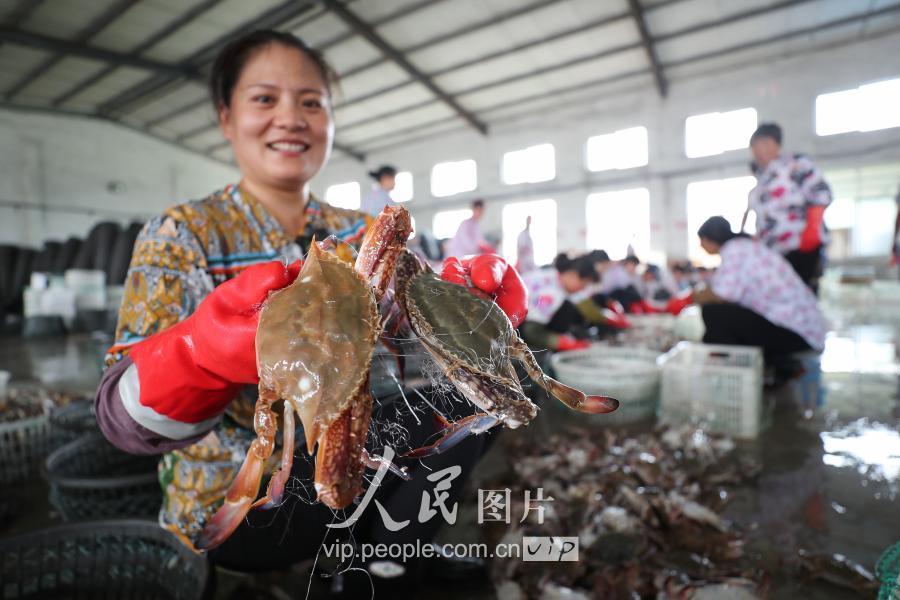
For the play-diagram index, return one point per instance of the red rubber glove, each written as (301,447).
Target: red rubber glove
(566,342)
(192,370)
(636,308)
(615,306)
(495,277)
(617,320)
(650,309)
(678,303)
(811,239)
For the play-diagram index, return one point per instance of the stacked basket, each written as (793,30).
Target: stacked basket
(100,559)
(90,478)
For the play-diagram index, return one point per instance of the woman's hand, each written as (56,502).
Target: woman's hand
(495,277)
(192,370)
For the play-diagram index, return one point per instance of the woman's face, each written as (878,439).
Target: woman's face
(279,123)
(571,281)
(710,246)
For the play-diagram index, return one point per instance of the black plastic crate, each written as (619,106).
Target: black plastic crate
(127,559)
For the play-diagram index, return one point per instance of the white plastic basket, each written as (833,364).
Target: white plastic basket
(630,375)
(720,386)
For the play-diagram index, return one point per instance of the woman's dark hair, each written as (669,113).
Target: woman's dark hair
(767,130)
(581,265)
(631,258)
(229,63)
(718,230)
(597,256)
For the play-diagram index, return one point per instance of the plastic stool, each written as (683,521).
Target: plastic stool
(809,386)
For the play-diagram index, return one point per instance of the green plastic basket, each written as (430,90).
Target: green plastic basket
(888,572)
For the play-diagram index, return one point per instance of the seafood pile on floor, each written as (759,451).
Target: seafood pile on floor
(646,509)
(26,403)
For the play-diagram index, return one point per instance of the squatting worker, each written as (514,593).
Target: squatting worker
(385,179)
(560,299)
(755,298)
(789,200)
(182,373)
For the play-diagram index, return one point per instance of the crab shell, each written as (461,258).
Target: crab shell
(316,339)
(468,336)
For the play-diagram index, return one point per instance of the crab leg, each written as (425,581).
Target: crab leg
(275,492)
(454,433)
(571,397)
(339,461)
(245,487)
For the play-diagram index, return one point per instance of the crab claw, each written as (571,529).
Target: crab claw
(238,500)
(574,399)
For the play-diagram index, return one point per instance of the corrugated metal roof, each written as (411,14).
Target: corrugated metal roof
(410,67)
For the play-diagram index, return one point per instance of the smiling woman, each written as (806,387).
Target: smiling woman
(178,374)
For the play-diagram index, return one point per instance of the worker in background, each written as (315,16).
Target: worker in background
(895,247)
(789,200)
(468,239)
(657,284)
(755,298)
(380,196)
(525,249)
(560,299)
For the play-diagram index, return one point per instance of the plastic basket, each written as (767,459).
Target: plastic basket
(90,478)
(100,559)
(720,386)
(628,374)
(888,572)
(72,421)
(24,444)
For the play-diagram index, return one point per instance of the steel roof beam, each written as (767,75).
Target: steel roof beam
(43,42)
(157,85)
(450,35)
(168,29)
(366,31)
(637,13)
(90,30)
(894,8)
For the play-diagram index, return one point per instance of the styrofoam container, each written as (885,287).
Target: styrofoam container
(628,374)
(89,287)
(718,386)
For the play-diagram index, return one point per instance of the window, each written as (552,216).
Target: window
(403,187)
(531,165)
(543,229)
(725,197)
(623,149)
(445,224)
(866,108)
(718,132)
(343,195)
(618,219)
(449,178)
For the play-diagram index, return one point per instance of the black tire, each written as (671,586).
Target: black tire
(51,252)
(67,254)
(8,254)
(22,277)
(84,258)
(104,234)
(121,255)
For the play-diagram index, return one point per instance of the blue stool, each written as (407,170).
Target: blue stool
(809,385)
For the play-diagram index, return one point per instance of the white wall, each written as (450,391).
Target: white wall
(64,162)
(780,90)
